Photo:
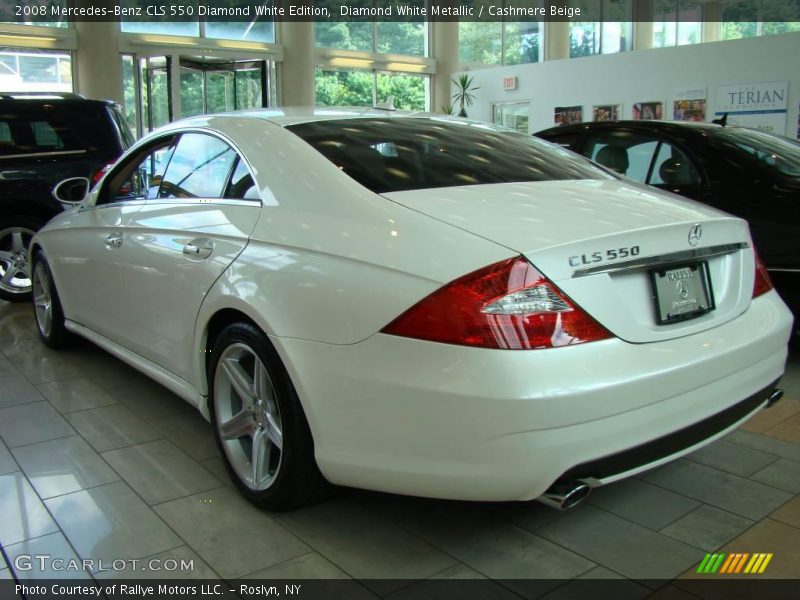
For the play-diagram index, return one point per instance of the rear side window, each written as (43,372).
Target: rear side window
(200,168)
(387,155)
(41,134)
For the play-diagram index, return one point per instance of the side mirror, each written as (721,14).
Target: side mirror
(72,191)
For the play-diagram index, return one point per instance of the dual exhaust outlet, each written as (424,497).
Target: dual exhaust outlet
(563,495)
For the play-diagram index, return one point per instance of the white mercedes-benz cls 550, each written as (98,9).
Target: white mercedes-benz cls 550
(415,304)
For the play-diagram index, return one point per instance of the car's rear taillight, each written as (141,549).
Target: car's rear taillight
(508,305)
(99,175)
(763,282)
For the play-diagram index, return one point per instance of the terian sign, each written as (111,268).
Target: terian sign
(759,105)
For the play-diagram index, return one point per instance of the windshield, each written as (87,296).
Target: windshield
(390,155)
(776,152)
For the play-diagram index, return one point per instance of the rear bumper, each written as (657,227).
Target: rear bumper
(421,418)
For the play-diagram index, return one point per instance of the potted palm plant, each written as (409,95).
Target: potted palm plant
(464,96)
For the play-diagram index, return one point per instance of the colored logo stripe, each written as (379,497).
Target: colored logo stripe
(711,563)
(734,563)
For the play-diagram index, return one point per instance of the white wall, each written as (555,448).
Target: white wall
(641,76)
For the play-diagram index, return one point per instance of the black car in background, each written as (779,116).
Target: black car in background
(748,173)
(44,139)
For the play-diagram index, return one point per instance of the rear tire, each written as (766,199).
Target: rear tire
(47,309)
(259,424)
(15,270)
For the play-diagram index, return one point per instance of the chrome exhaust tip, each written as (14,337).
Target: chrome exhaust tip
(774,397)
(563,495)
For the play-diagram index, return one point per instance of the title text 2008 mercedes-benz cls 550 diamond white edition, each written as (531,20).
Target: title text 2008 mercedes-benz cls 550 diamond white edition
(415,304)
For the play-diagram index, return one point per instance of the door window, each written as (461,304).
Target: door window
(625,152)
(200,168)
(673,169)
(643,158)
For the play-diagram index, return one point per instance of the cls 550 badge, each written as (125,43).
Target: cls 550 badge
(600,256)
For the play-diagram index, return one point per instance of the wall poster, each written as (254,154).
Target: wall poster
(565,115)
(607,112)
(643,111)
(758,105)
(689,105)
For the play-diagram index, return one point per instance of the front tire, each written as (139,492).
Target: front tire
(259,424)
(47,309)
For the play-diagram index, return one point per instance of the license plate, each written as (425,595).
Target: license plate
(682,293)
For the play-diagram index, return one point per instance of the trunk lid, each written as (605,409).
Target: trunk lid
(578,234)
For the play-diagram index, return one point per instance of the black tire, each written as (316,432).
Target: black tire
(14,290)
(297,480)
(54,334)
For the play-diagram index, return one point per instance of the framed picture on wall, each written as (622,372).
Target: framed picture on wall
(606,112)
(643,111)
(566,115)
(689,110)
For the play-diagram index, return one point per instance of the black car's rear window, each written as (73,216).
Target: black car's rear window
(30,128)
(36,134)
(392,155)
(775,152)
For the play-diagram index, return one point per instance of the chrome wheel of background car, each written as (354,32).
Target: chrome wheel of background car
(15,275)
(247,416)
(42,299)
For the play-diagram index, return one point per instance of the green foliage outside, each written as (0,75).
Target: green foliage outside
(401,37)
(354,88)
(481,42)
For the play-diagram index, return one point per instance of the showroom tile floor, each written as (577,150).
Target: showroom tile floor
(98,462)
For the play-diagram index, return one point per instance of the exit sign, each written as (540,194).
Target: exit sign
(509,83)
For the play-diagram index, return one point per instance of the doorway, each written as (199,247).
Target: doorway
(215,85)
(204,85)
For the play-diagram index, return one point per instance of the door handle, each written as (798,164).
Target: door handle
(199,248)
(114,240)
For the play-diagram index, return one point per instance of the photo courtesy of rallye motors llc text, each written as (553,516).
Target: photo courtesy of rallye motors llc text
(155,590)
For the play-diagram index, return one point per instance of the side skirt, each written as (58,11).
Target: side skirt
(160,375)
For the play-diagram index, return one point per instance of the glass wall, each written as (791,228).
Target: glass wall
(481,42)
(362,87)
(612,33)
(500,42)
(33,71)
(257,30)
(32,13)
(746,18)
(677,23)
(389,37)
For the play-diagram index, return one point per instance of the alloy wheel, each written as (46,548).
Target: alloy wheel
(15,275)
(247,416)
(42,299)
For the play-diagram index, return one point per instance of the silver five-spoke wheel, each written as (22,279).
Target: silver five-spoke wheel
(15,275)
(247,416)
(42,299)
